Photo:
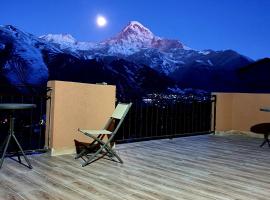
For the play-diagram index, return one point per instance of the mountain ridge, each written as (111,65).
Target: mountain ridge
(31,61)
(28,59)
(137,43)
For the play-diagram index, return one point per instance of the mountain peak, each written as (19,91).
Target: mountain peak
(135,37)
(10,27)
(59,38)
(67,41)
(135,29)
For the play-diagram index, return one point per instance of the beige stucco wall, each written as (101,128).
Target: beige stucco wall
(239,111)
(73,106)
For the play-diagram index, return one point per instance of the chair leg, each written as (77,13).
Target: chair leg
(120,160)
(82,153)
(108,149)
(89,160)
(103,146)
(87,149)
(111,151)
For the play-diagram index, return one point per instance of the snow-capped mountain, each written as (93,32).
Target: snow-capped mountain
(59,38)
(28,60)
(136,60)
(137,43)
(20,61)
(135,37)
(67,42)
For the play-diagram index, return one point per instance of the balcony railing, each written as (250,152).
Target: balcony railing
(155,119)
(29,124)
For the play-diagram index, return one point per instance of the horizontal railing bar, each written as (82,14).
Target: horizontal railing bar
(27,152)
(162,137)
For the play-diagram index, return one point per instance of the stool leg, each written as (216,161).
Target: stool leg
(18,155)
(20,148)
(5,149)
(25,157)
(4,143)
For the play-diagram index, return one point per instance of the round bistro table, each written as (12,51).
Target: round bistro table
(12,107)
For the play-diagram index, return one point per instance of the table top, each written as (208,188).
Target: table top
(16,106)
(265,109)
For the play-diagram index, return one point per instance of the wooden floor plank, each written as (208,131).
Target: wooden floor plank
(205,167)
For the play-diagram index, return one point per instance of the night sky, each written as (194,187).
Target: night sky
(242,25)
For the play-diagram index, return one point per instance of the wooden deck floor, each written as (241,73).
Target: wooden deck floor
(200,167)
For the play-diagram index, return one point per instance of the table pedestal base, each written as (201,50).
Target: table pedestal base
(7,141)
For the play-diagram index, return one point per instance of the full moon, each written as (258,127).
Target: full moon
(101,21)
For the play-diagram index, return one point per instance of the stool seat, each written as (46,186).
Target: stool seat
(263,128)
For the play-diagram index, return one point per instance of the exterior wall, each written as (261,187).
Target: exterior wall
(239,111)
(73,106)
(224,112)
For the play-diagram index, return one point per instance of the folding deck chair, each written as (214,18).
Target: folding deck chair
(98,145)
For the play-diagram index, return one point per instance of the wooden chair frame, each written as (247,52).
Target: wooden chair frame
(97,136)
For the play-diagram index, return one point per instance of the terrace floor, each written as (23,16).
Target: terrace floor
(199,167)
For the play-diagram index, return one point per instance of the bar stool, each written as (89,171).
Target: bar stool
(12,107)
